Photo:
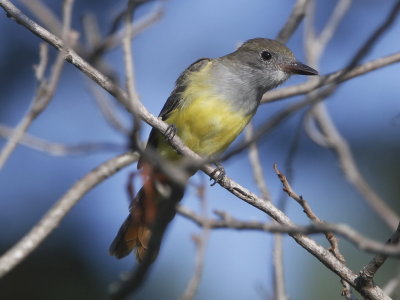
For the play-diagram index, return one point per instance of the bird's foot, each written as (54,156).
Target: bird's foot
(218,174)
(170,132)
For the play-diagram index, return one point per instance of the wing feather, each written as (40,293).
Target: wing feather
(173,101)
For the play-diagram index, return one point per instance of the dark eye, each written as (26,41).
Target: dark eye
(265,55)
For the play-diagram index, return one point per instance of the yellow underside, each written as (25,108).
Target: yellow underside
(206,123)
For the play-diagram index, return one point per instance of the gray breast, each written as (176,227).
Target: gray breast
(241,86)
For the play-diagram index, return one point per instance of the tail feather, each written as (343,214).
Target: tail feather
(135,232)
(124,241)
(143,239)
(130,237)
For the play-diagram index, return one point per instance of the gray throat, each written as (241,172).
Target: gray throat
(241,85)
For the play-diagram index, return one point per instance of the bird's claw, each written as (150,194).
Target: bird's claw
(219,174)
(170,132)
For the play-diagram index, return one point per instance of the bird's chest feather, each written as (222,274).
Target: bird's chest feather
(207,124)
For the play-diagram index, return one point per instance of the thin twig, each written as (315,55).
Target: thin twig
(309,212)
(304,88)
(315,46)
(40,68)
(256,166)
(44,93)
(368,272)
(279,275)
(391,286)
(53,217)
(277,252)
(347,162)
(108,109)
(293,21)
(226,221)
(323,93)
(129,70)
(333,139)
(115,39)
(58,149)
(42,12)
(201,245)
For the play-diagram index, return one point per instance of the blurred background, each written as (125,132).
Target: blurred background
(73,263)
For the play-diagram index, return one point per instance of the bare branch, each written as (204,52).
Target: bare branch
(129,70)
(277,260)
(304,88)
(226,221)
(329,133)
(309,212)
(40,68)
(44,93)
(391,286)
(108,109)
(54,216)
(58,149)
(45,15)
(316,45)
(254,158)
(115,39)
(367,273)
(347,162)
(201,243)
(293,21)
(314,49)
(256,166)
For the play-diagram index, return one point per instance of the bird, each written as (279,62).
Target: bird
(212,102)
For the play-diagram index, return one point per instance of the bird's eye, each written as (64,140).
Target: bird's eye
(265,55)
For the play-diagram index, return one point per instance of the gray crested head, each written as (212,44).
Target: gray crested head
(269,61)
(256,67)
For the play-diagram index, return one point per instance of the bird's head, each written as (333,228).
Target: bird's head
(270,61)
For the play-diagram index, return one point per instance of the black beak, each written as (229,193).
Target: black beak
(299,68)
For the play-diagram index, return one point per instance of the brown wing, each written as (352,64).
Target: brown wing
(173,101)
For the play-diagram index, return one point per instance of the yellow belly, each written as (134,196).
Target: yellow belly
(207,125)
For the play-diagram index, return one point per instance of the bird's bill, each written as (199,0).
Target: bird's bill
(299,68)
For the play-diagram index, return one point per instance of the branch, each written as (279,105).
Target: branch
(335,77)
(391,286)
(368,272)
(314,49)
(277,262)
(330,135)
(297,14)
(346,292)
(255,162)
(200,241)
(45,91)
(58,149)
(54,216)
(45,15)
(226,221)
(129,70)
(107,109)
(115,39)
(310,245)
(338,144)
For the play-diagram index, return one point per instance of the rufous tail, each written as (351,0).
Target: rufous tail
(131,236)
(157,195)
(134,233)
